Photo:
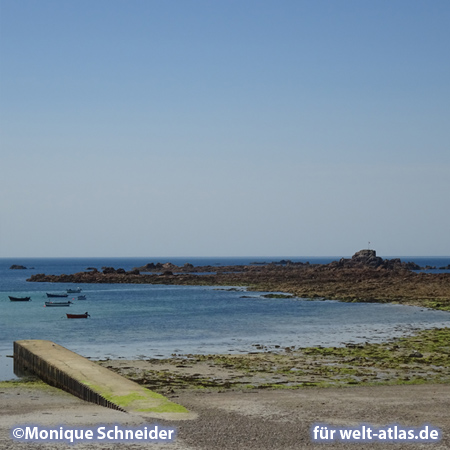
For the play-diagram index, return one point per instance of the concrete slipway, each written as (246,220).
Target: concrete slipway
(89,381)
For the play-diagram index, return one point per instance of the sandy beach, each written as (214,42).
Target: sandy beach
(253,419)
(266,400)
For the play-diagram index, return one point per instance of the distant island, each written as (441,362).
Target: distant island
(364,277)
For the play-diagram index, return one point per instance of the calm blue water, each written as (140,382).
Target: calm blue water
(143,321)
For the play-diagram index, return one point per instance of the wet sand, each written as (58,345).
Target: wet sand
(423,357)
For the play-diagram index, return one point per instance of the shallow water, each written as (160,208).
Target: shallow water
(147,321)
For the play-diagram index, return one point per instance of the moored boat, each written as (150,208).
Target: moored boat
(19,299)
(81,297)
(78,316)
(58,303)
(56,295)
(73,291)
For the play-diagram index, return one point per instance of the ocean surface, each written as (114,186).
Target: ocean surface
(155,321)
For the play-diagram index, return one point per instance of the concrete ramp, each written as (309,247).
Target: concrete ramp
(81,377)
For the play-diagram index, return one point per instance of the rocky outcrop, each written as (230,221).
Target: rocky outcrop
(17,267)
(364,277)
(369,258)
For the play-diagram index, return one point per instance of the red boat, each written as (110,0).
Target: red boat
(78,316)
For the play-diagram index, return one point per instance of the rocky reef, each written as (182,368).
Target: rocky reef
(363,277)
(369,258)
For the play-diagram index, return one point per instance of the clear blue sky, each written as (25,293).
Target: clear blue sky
(224,127)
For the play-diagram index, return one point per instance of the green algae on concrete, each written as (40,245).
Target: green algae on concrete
(77,375)
(139,400)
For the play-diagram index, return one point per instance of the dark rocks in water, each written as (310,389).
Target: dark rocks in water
(111,270)
(278,296)
(151,267)
(412,266)
(283,262)
(368,258)
(445,267)
(147,268)
(363,258)
(363,278)
(17,267)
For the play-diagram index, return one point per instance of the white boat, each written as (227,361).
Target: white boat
(58,303)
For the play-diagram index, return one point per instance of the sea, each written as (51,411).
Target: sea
(129,321)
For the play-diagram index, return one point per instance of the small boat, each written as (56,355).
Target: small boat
(56,295)
(19,299)
(81,297)
(58,303)
(78,316)
(73,291)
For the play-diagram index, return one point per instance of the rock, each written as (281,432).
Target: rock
(416,354)
(346,280)
(412,266)
(367,258)
(17,267)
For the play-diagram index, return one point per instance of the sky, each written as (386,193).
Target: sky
(224,127)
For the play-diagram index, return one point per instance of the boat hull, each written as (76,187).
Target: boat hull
(19,299)
(57,304)
(77,316)
(73,291)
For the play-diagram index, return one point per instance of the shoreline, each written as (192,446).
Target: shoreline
(421,358)
(257,401)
